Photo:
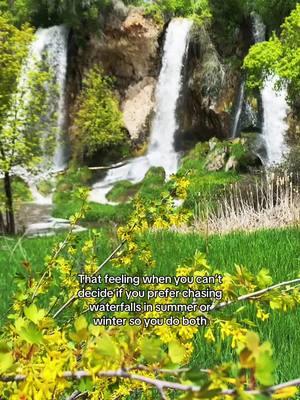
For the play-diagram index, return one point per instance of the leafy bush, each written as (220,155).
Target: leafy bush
(278,56)
(98,123)
(199,9)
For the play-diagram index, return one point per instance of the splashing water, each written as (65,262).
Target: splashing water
(274,105)
(161,147)
(275,125)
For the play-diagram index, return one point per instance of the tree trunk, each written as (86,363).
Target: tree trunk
(2,224)
(10,218)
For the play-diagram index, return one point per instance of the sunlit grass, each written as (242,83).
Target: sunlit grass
(278,250)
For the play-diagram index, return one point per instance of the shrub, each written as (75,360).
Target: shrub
(98,122)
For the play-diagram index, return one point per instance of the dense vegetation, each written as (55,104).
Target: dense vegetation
(278,56)
(98,123)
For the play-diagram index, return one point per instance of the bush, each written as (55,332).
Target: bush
(98,121)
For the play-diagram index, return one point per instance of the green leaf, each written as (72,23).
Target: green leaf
(34,314)
(6,361)
(176,352)
(264,372)
(80,323)
(107,348)
(151,349)
(31,334)
(252,340)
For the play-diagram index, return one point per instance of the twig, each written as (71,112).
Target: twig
(73,298)
(76,395)
(60,248)
(254,295)
(106,168)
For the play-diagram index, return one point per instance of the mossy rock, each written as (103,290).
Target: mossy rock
(45,187)
(122,192)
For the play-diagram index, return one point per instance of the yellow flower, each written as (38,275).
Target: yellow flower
(262,315)
(209,335)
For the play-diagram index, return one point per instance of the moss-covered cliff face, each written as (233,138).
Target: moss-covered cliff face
(211,84)
(128,45)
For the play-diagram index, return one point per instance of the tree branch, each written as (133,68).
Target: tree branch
(73,298)
(160,385)
(254,295)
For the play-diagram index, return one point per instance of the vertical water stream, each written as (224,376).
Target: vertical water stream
(275,107)
(161,150)
(50,46)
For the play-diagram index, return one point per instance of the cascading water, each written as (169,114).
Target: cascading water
(275,125)
(274,105)
(161,147)
(49,45)
(239,108)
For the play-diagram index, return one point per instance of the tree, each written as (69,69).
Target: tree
(24,109)
(74,13)
(279,56)
(98,121)
(273,12)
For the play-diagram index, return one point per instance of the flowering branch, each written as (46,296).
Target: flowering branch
(73,298)
(160,385)
(255,295)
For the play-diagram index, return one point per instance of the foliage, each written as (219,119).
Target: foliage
(74,13)
(66,200)
(273,12)
(98,120)
(269,202)
(279,56)
(122,191)
(21,192)
(14,44)
(205,186)
(47,342)
(24,107)
(199,10)
(27,123)
(148,189)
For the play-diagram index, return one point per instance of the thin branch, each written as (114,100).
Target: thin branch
(175,372)
(46,272)
(73,298)
(255,295)
(160,385)
(106,168)
(76,395)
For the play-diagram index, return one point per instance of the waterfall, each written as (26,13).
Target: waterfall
(275,107)
(50,46)
(161,150)
(239,108)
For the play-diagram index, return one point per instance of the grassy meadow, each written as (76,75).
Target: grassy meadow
(278,250)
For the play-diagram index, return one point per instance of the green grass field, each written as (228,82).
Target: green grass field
(278,250)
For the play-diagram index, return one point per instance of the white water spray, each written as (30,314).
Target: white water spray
(238,114)
(161,147)
(274,105)
(275,125)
